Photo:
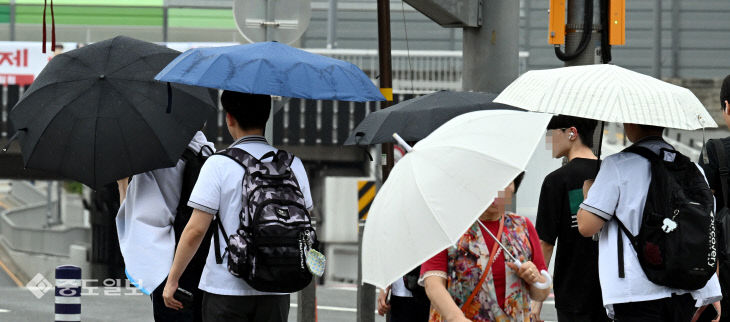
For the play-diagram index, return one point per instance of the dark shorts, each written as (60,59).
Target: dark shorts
(259,308)
(163,313)
(675,308)
(409,309)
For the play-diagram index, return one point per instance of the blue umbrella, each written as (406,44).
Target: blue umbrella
(271,68)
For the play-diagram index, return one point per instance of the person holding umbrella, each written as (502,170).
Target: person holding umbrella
(473,281)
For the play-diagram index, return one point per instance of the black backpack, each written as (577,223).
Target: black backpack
(193,162)
(722,218)
(275,232)
(676,241)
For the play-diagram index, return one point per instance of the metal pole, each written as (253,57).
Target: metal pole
(307,302)
(366,292)
(491,52)
(574,33)
(675,38)
(657,67)
(59,202)
(49,207)
(332,24)
(12,20)
(165,21)
(269,18)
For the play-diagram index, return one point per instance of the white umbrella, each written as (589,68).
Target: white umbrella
(607,93)
(439,189)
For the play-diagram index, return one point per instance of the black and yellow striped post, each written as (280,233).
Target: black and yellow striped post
(365,196)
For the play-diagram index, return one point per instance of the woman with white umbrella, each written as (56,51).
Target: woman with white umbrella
(462,288)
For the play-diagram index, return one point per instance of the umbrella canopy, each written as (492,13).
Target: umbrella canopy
(437,191)
(271,68)
(96,114)
(607,93)
(416,118)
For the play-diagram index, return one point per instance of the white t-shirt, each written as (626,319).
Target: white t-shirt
(219,191)
(620,189)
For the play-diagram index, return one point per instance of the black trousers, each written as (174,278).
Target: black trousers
(409,309)
(678,308)
(259,308)
(163,313)
(597,315)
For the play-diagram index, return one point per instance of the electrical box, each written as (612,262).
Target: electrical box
(556,29)
(617,22)
(343,207)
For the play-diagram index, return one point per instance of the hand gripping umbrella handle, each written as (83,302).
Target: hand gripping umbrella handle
(542,286)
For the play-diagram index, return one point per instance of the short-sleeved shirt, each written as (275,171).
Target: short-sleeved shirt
(218,191)
(620,190)
(575,280)
(712,169)
(440,262)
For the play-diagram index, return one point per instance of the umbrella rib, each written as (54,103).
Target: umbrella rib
(140,59)
(441,224)
(52,117)
(134,108)
(35,90)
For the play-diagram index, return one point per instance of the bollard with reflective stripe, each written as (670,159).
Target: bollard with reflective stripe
(68,293)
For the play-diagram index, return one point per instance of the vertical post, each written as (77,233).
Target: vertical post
(491,52)
(49,206)
(366,292)
(657,67)
(59,202)
(12,20)
(269,18)
(307,303)
(165,21)
(574,33)
(68,293)
(675,38)
(332,24)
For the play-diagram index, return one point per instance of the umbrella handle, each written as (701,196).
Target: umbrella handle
(402,142)
(548,278)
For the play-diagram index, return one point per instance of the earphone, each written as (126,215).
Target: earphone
(571,135)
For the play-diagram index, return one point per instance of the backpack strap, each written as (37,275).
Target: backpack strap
(217,247)
(652,157)
(722,166)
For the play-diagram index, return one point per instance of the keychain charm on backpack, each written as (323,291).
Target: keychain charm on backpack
(670,225)
(315,260)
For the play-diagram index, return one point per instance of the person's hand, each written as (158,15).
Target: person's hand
(383,305)
(535,308)
(168,293)
(587,186)
(528,272)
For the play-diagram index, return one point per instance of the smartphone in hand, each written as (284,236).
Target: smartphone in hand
(184,296)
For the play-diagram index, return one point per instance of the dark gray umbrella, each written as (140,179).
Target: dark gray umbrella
(416,118)
(96,114)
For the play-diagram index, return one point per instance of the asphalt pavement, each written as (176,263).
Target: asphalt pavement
(335,304)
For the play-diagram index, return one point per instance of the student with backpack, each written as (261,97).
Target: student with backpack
(655,214)
(716,163)
(259,199)
(151,217)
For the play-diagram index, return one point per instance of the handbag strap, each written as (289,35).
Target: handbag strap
(722,166)
(492,257)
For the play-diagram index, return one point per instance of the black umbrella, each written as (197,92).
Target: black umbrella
(416,118)
(96,114)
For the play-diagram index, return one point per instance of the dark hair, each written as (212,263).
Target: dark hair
(251,111)
(725,92)
(651,128)
(585,127)
(518,180)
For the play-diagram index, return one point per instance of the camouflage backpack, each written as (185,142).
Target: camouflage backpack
(275,232)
